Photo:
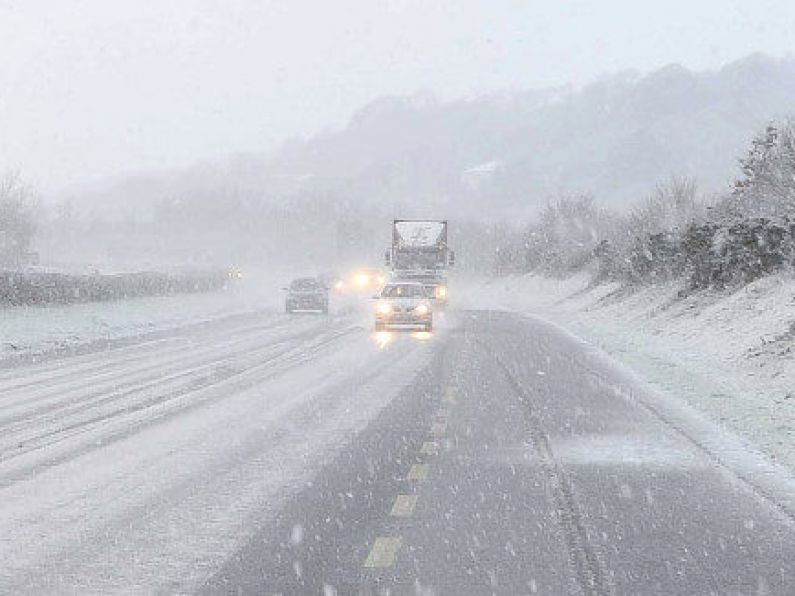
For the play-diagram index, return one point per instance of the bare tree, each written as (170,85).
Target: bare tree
(566,234)
(671,206)
(16,220)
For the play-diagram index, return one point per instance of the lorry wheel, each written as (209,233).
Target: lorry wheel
(429,327)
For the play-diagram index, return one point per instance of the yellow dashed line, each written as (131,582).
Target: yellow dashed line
(450,395)
(383,552)
(404,505)
(418,472)
(429,448)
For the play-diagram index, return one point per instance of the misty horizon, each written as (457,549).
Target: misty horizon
(221,161)
(134,89)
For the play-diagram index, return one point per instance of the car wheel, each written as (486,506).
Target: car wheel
(379,327)
(429,326)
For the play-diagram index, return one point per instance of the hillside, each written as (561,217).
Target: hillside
(480,160)
(614,138)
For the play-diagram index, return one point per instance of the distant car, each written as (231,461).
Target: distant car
(306,294)
(403,305)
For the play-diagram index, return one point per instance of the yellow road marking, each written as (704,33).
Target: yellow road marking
(438,428)
(404,505)
(450,395)
(418,472)
(383,552)
(429,448)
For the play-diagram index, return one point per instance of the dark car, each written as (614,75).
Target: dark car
(306,294)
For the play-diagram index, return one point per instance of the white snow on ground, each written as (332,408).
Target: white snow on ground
(101,496)
(39,329)
(730,355)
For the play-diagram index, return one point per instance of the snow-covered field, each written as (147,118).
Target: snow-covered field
(35,330)
(731,355)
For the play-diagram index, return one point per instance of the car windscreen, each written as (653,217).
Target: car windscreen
(404,291)
(304,285)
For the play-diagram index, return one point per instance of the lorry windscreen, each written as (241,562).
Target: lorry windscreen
(304,285)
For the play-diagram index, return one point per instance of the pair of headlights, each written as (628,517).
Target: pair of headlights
(385,308)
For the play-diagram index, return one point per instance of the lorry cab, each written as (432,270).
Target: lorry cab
(419,253)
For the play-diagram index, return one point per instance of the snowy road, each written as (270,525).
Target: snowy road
(267,454)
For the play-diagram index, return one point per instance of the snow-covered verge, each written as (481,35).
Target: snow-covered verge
(731,355)
(26,331)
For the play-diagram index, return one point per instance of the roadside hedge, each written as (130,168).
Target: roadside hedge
(737,253)
(40,288)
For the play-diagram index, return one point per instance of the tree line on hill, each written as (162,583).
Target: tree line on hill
(674,233)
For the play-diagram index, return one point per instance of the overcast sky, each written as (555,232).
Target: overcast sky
(96,88)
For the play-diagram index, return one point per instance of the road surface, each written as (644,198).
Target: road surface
(306,455)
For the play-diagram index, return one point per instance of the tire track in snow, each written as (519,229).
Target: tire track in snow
(89,367)
(584,560)
(131,419)
(56,399)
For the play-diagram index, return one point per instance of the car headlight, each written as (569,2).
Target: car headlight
(441,292)
(422,309)
(384,308)
(362,279)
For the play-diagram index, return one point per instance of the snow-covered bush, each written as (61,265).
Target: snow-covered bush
(736,253)
(748,234)
(751,232)
(645,246)
(767,185)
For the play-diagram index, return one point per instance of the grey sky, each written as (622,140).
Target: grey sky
(94,88)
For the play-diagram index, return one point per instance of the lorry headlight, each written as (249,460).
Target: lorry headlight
(441,292)
(422,309)
(384,308)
